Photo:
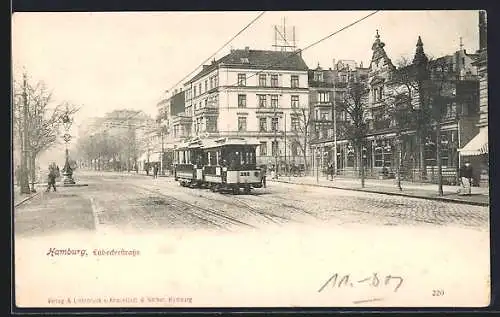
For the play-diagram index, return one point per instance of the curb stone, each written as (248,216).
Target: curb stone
(443,199)
(26,199)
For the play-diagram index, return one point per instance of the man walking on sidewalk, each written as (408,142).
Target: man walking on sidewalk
(155,170)
(51,179)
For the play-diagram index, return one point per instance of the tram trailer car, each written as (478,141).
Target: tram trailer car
(230,165)
(188,168)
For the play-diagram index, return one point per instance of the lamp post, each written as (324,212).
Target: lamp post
(67,170)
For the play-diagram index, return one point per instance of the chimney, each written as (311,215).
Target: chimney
(482,30)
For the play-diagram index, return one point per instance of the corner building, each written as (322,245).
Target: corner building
(251,94)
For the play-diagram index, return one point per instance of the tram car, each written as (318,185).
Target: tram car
(230,165)
(188,168)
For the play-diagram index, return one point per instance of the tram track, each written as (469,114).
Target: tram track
(207,214)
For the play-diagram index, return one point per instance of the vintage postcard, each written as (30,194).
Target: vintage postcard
(251,159)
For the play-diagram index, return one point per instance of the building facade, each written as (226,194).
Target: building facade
(476,151)
(380,152)
(256,94)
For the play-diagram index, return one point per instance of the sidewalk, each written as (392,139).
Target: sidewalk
(479,196)
(21,198)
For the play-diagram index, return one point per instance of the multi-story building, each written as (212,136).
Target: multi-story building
(327,89)
(254,94)
(476,150)
(379,149)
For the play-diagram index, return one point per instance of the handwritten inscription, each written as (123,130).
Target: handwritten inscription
(96,252)
(346,281)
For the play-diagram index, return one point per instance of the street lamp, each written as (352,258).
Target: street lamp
(67,170)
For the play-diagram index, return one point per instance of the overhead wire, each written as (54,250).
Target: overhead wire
(278,63)
(207,59)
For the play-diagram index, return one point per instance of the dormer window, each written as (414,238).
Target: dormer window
(244,60)
(318,76)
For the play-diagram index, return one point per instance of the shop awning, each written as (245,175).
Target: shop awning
(477,146)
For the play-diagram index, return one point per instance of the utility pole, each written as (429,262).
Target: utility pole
(334,118)
(275,127)
(162,172)
(25,187)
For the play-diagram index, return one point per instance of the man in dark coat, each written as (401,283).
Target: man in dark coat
(51,179)
(263,172)
(155,171)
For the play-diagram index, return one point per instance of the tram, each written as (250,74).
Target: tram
(225,164)
(230,165)
(188,169)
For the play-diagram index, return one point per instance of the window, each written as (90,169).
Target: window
(274,148)
(295,149)
(194,91)
(206,85)
(295,124)
(294,81)
(199,87)
(263,124)
(381,93)
(318,76)
(242,101)
(274,124)
(262,101)
(244,60)
(325,114)
(242,123)
(211,124)
(211,82)
(323,96)
(274,101)
(295,101)
(262,80)
(263,148)
(242,79)
(274,80)
(216,81)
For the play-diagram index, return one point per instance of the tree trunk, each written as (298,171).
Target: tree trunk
(398,162)
(438,158)
(32,171)
(361,166)
(421,160)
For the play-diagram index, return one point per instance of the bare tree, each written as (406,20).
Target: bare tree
(301,119)
(356,127)
(407,90)
(440,92)
(43,121)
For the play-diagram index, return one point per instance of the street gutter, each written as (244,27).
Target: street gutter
(435,198)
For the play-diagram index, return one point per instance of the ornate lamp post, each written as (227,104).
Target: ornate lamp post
(67,170)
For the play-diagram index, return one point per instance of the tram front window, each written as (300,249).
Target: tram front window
(241,158)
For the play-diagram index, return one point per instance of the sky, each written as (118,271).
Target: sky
(108,61)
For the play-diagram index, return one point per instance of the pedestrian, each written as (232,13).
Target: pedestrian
(136,168)
(331,170)
(146,168)
(263,172)
(464,173)
(18,175)
(155,171)
(51,179)
(469,174)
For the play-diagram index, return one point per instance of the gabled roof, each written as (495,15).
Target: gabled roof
(256,59)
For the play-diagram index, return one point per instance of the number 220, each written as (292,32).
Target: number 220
(437,292)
